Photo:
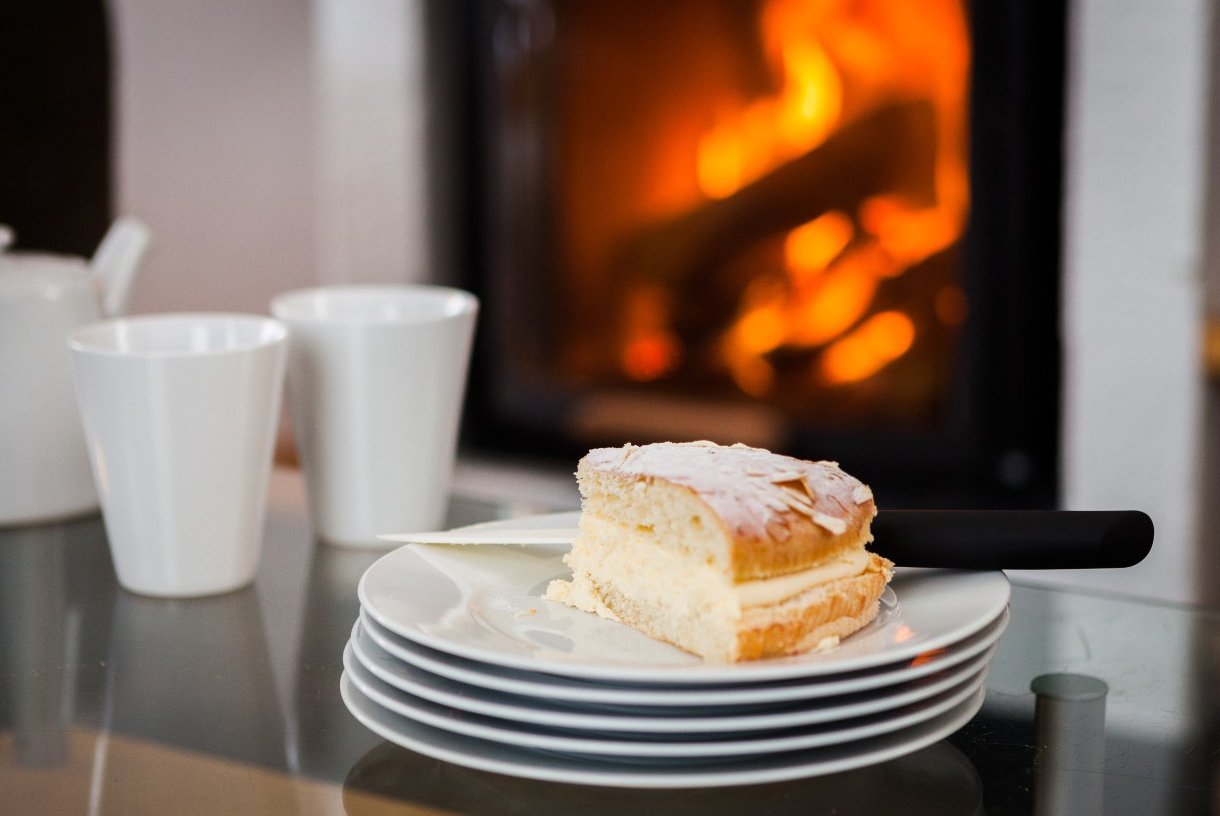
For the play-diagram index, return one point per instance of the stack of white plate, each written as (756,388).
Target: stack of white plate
(457,656)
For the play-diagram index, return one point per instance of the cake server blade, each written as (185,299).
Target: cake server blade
(951,539)
(475,535)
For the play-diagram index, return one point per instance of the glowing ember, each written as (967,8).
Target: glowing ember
(871,346)
(650,358)
(810,248)
(651,350)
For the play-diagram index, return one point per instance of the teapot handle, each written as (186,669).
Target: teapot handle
(117,261)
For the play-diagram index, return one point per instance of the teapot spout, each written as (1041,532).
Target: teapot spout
(117,261)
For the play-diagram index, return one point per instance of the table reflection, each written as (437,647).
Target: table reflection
(325,733)
(194,673)
(42,637)
(937,780)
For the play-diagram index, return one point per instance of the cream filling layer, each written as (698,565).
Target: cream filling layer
(608,554)
(765,591)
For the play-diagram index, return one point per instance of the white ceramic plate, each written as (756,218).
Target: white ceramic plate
(714,720)
(635,747)
(660,773)
(592,695)
(485,603)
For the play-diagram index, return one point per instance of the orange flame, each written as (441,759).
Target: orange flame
(746,144)
(871,346)
(810,248)
(836,60)
(651,350)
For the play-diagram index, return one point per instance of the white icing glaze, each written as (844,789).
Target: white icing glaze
(753,490)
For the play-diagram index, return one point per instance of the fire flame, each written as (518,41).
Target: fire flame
(770,131)
(835,61)
(873,344)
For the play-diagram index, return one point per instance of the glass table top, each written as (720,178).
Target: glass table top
(115,703)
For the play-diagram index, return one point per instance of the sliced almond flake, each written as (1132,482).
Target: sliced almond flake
(828,463)
(803,509)
(793,495)
(792,490)
(829,523)
(808,487)
(861,493)
(703,443)
(794,485)
(772,503)
(741,445)
(786,476)
(779,531)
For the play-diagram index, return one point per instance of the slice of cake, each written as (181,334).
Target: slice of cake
(733,553)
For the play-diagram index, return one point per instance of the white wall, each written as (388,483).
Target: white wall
(269,145)
(1136,177)
(214,144)
(372,215)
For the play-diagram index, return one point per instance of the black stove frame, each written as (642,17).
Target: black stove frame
(998,442)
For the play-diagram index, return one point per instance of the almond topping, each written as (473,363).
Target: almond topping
(803,509)
(779,531)
(794,496)
(831,524)
(777,504)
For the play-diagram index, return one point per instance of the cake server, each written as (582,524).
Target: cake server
(954,539)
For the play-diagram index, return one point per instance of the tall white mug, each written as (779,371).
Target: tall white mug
(376,379)
(180,414)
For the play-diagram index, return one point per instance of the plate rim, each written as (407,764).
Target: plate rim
(796,765)
(823,735)
(576,690)
(525,710)
(697,673)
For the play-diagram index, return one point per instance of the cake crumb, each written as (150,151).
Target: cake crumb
(826,644)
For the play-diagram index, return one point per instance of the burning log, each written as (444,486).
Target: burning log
(890,151)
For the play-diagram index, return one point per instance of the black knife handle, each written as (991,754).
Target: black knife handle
(1012,539)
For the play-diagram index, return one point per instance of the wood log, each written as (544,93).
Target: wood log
(891,150)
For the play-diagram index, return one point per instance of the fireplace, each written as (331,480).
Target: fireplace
(827,228)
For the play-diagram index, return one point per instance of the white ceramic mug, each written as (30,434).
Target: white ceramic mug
(376,379)
(180,412)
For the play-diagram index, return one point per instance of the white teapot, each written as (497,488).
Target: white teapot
(44,466)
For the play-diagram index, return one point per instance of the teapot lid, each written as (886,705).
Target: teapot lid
(22,273)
